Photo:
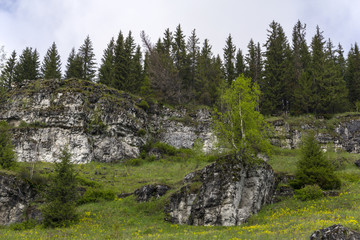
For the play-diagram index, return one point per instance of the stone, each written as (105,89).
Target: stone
(95,122)
(15,198)
(335,232)
(222,194)
(148,192)
(357,163)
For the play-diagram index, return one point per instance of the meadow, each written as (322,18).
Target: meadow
(124,218)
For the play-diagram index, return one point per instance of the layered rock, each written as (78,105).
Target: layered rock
(222,194)
(15,196)
(95,122)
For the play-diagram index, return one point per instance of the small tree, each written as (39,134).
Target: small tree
(61,196)
(7,153)
(239,124)
(313,168)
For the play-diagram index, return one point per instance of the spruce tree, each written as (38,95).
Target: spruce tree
(61,195)
(313,168)
(119,62)
(28,65)
(193,56)
(352,74)
(8,72)
(51,67)
(137,71)
(274,86)
(106,70)
(229,59)
(86,52)
(239,64)
(74,66)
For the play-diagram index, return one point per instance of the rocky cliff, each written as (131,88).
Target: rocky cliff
(222,194)
(339,133)
(97,123)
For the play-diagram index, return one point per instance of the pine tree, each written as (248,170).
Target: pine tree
(61,195)
(274,85)
(7,153)
(51,67)
(86,52)
(28,65)
(8,72)
(74,66)
(229,59)
(106,70)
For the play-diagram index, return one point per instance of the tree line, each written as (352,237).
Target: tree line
(294,77)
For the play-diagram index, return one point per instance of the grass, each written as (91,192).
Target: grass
(127,219)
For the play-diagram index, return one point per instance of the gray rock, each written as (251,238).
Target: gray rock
(335,232)
(151,191)
(15,197)
(222,194)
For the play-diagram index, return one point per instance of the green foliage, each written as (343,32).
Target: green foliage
(61,195)
(7,153)
(309,192)
(74,66)
(28,224)
(8,72)
(51,67)
(86,52)
(135,161)
(28,65)
(239,125)
(96,195)
(314,168)
(143,104)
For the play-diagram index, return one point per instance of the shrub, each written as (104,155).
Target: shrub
(28,224)
(144,105)
(134,162)
(96,195)
(314,168)
(309,192)
(61,195)
(7,153)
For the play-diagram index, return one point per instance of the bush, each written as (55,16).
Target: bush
(29,224)
(314,168)
(96,195)
(61,195)
(134,162)
(144,105)
(309,192)
(7,153)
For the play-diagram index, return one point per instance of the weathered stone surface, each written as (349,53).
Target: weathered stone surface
(96,123)
(335,232)
(357,163)
(151,191)
(15,196)
(222,194)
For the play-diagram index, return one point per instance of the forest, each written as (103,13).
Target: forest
(295,77)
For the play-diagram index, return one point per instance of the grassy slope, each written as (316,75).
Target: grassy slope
(126,219)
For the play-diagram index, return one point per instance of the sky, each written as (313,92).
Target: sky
(39,23)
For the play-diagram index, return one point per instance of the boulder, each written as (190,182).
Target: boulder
(335,232)
(225,193)
(151,191)
(15,198)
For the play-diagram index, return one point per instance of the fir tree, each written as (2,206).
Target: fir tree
(352,74)
(137,70)
(8,72)
(229,59)
(119,62)
(106,70)
(61,195)
(74,66)
(51,67)
(193,55)
(254,62)
(239,64)
(86,52)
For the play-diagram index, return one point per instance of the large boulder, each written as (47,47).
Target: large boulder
(335,232)
(225,193)
(15,197)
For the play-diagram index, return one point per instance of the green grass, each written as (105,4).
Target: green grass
(127,219)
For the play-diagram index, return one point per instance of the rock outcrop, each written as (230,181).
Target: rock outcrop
(15,196)
(222,194)
(152,191)
(335,232)
(339,133)
(95,122)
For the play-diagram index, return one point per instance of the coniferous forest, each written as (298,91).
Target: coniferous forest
(295,76)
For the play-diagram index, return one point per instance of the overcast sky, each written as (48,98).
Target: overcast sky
(38,23)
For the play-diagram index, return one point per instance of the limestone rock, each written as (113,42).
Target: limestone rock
(148,192)
(222,194)
(15,196)
(335,232)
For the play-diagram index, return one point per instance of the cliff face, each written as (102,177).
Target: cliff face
(96,123)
